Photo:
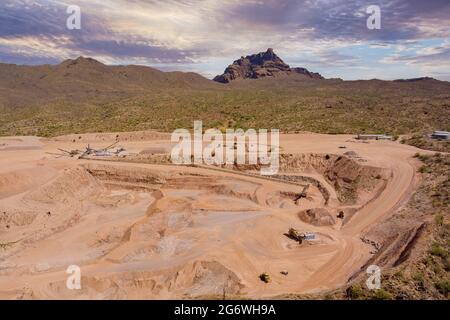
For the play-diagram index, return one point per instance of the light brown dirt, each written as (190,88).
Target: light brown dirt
(153,231)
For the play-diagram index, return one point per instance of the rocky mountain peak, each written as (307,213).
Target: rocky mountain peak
(81,61)
(260,65)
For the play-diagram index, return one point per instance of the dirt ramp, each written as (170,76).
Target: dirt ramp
(15,182)
(70,188)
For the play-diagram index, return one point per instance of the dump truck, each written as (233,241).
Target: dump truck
(264,277)
(300,236)
(294,234)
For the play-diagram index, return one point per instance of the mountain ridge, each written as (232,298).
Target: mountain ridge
(84,95)
(262,65)
(87,78)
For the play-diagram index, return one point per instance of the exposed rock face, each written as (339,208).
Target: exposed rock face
(263,64)
(313,75)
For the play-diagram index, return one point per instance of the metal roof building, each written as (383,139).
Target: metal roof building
(373,137)
(441,135)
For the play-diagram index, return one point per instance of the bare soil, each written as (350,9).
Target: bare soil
(146,229)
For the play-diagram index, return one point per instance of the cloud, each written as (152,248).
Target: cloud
(430,56)
(191,34)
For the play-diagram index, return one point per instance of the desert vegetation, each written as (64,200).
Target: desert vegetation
(84,95)
(425,271)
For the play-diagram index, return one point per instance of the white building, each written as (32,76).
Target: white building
(441,135)
(373,137)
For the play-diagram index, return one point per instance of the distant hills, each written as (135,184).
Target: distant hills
(84,95)
(261,65)
(86,78)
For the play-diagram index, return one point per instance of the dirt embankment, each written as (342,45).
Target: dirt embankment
(353,182)
(203,278)
(411,246)
(130,177)
(60,197)
(111,136)
(317,217)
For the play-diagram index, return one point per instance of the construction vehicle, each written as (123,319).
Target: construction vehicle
(302,194)
(265,277)
(65,153)
(104,152)
(294,234)
(300,236)
(101,152)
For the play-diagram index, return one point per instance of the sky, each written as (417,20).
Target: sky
(204,36)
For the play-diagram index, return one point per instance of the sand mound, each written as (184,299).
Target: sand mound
(69,189)
(205,278)
(317,217)
(19,181)
(212,278)
(195,279)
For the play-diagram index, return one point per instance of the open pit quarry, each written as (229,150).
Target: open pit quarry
(141,228)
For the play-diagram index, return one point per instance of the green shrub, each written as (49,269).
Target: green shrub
(328,296)
(419,278)
(424,169)
(382,294)
(354,291)
(443,287)
(439,219)
(437,250)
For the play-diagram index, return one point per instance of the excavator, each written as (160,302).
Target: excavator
(294,234)
(104,152)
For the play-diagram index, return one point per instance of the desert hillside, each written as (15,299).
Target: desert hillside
(84,79)
(84,95)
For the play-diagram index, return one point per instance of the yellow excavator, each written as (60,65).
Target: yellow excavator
(294,234)
(265,277)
